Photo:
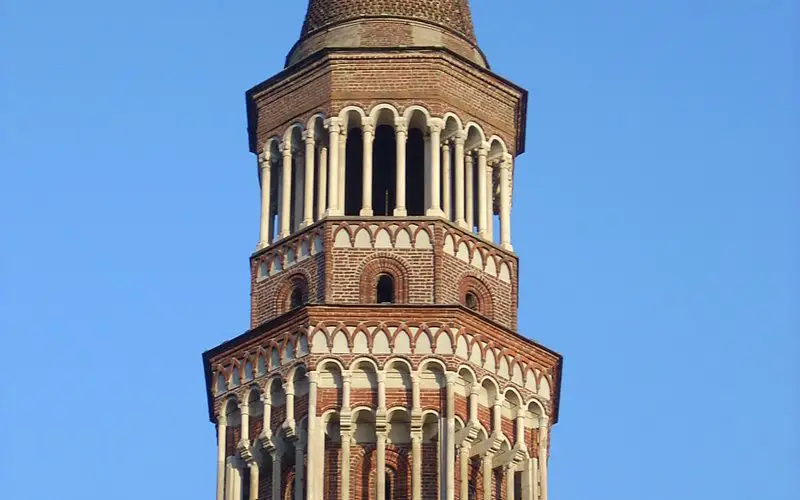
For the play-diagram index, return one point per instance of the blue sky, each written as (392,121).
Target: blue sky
(656,218)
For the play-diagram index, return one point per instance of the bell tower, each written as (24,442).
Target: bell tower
(382,360)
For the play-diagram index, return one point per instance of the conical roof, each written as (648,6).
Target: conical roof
(387,23)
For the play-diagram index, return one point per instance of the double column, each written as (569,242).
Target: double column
(265,171)
(334,127)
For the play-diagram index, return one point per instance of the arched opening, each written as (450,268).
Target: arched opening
(383,171)
(296,298)
(471,301)
(353,174)
(384,290)
(415,172)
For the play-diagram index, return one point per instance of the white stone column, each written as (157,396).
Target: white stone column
(435,186)
(308,189)
(277,466)
(380,470)
(222,434)
(450,455)
(344,469)
(416,465)
(334,129)
(488,494)
(464,466)
(416,400)
(473,403)
(299,469)
(381,391)
(232,479)
(459,179)
(322,185)
(520,428)
(509,474)
(299,185)
(490,203)
(544,435)
(264,169)
(286,186)
(446,176)
(483,205)
(342,168)
(254,479)
(470,191)
(314,444)
(529,489)
(346,385)
(266,429)
(288,389)
(505,203)
(401,138)
(497,415)
(368,135)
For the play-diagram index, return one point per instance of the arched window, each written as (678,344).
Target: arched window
(296,298)
(471,301)
(384,291)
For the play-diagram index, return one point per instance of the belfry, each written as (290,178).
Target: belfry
(382,360)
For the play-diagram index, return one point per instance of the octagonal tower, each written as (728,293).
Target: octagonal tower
(383,361)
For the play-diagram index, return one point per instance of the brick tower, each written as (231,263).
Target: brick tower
(382,360)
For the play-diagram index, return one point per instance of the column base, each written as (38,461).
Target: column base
(261,245)
(366,212)
(434,212)
(400,212)
(333,212)
(283,235)
(462,224)
(306,223)
(507,246)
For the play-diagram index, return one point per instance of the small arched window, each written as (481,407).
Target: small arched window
(296,298)
(471,301)
(384,291)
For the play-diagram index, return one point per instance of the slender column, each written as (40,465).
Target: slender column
(497,415)
(520,430)
(299,472)
(308,189)
(322,185)
(380,470)
(535,479)
(222,434)
(473,404)
(381,391)
(314,444)
(288,389)
(244,411)
(368,134)
(344,470)
(342,168)
(277,465)
(254,471)
(346,384)
(286,186)
(264,171)
(401,136)
(267,427)
(470,192)
(416,465)
(490,203)
(459,179)
(544,431)
(450,455)
(427,154)
(488,494)
(529,490)
(416,403)
(299,185)
(509,472)
(435,186)
(334,128)
(505,203)
(230,479)
(464,465)
(446,176)
(483,206)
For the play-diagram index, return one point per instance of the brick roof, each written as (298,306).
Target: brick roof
(453,14)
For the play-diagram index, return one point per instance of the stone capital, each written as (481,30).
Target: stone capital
(367,126)
(308,135)
(286,148)
(400,126)
(436,125)
(333,125)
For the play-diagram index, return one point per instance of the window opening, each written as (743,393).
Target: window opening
(385,289)
(471,301)
(296,299)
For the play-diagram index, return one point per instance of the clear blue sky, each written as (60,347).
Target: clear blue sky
(656,217)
